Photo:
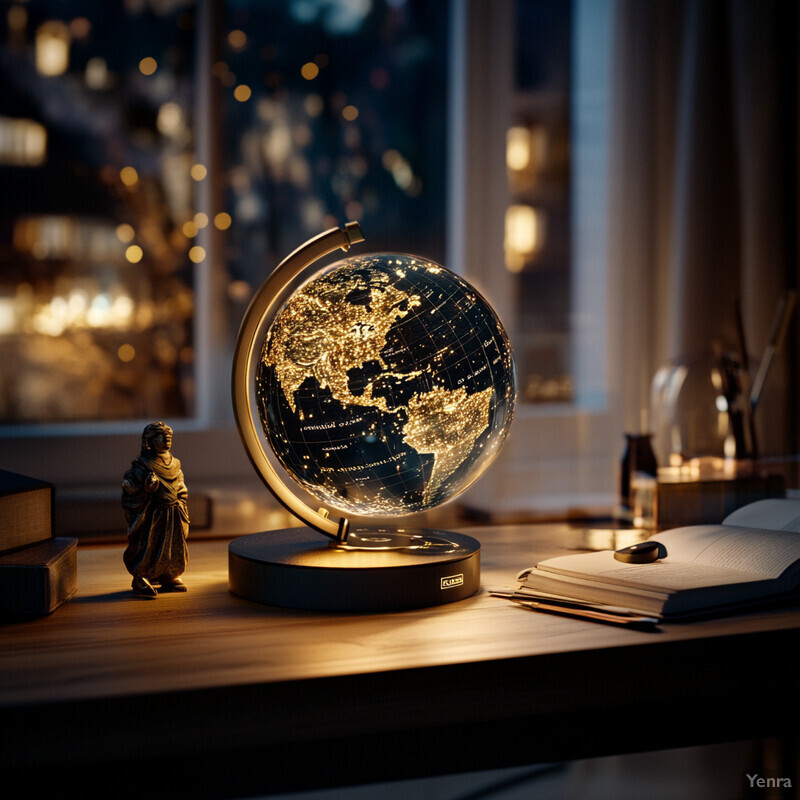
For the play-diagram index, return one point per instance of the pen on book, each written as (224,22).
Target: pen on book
(587,613)
(564,601)
(577,608)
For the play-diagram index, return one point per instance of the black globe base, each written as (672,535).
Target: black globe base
(372,571)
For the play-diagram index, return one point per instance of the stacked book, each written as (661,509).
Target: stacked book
(38,572)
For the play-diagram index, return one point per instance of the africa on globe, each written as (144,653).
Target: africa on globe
(385,385)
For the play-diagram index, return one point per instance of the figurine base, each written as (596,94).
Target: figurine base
(373,571)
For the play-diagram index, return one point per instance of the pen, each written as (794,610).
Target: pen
(564,601)
(586,613)
(599,612)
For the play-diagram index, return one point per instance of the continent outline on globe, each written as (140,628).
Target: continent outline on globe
(385,384)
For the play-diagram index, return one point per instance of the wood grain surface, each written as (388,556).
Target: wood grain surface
(225,697)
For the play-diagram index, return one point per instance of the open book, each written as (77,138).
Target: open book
(753,556)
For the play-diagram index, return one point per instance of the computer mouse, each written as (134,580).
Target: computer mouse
(642,553)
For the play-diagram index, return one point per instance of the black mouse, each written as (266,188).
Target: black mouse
(642,553)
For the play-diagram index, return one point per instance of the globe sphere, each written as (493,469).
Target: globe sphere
(385,385)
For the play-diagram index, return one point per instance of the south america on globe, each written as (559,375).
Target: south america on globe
(385,385)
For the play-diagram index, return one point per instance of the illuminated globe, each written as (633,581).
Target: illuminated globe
(385,385)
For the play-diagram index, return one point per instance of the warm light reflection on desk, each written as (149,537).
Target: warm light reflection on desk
(706,467)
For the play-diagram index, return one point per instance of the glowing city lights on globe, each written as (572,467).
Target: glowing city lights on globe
(385,385)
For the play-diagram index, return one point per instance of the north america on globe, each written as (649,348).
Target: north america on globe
(385,385)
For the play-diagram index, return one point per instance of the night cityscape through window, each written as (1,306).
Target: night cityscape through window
(150,148)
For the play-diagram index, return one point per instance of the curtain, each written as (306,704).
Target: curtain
(703,193)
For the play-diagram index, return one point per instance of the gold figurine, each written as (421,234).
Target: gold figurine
(155,501)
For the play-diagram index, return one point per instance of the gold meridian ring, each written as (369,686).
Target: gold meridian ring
(257,321)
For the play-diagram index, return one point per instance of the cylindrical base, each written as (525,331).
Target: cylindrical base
(373,571)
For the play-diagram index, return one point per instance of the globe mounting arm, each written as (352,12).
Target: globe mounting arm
(257,320)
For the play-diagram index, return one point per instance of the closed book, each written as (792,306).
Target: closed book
(26,510)
(38,578)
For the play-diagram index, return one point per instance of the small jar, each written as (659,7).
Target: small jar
(638,459)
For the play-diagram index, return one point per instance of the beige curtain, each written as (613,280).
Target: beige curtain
(703,191)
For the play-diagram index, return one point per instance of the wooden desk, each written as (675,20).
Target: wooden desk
(210,695)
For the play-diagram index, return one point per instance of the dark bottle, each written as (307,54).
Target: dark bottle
(638,457)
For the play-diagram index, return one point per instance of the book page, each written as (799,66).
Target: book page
(781,514)
(762,538)
(687,543)
(762,552)
(657,578)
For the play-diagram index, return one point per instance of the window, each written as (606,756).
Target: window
(139,226)
(334,112)
(97,267)
(193,145)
